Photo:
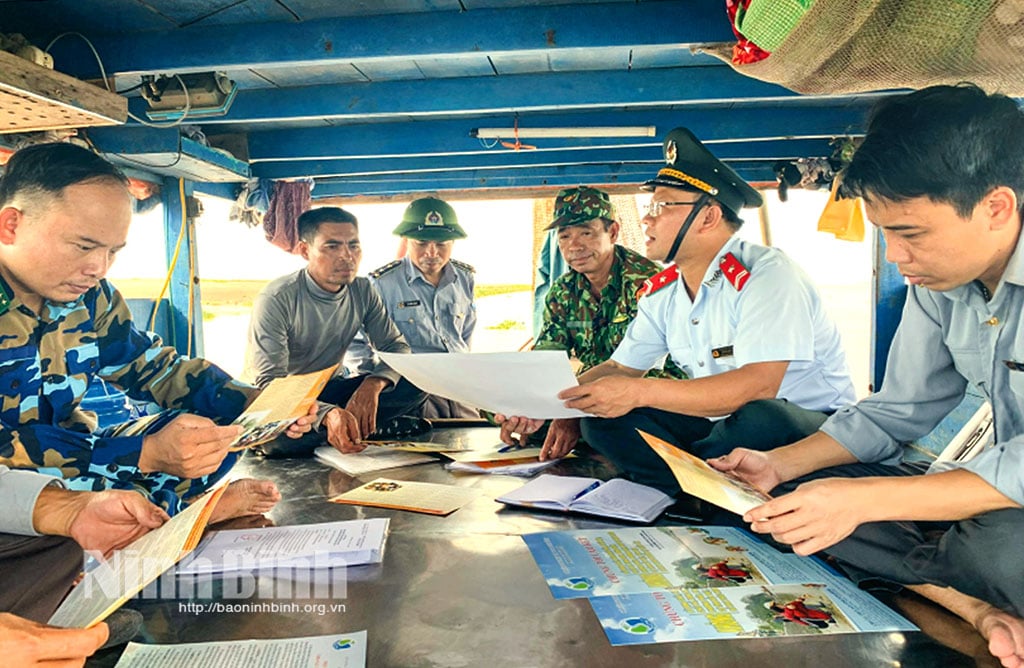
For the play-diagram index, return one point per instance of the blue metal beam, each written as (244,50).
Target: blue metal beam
(552,91)
(421,138)
(504,159)
(889,290)
(527,178)
(185,339)
(432,34)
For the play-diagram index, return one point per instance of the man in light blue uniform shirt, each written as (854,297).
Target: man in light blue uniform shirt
(941,172)
(428,295)
(764,362)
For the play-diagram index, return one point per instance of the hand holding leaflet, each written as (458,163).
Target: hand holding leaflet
(281,403)
(697,478)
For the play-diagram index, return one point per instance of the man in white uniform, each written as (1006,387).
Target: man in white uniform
(764,362)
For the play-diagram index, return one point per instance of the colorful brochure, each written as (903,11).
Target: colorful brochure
(675,583)
(744,612)
(602,562)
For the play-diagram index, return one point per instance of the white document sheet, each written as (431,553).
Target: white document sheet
(343,650)
(525,384)
(351,543)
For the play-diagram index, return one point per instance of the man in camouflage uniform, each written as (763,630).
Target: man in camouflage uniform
(589,308)
(64,214)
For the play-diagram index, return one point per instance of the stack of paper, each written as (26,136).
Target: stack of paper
(343,650)
(618,498)
(522,462)
(322,545)
(420,497)
(373,458)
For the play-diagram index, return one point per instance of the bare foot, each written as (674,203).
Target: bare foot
(246,497)
(1005,636)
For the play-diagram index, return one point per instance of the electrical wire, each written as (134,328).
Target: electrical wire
(174,257)
(106,83)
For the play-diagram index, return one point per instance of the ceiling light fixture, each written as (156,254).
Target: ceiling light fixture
(550,133)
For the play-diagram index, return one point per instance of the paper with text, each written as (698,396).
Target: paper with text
(525,384)
(108,586)
(341,650)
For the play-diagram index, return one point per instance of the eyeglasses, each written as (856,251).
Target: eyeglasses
(654,209)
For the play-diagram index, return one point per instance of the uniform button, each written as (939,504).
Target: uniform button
(700,362)
(15,384)
(695,321)
(992,321)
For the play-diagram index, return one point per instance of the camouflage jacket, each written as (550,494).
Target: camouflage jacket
(46,364)
(591,329)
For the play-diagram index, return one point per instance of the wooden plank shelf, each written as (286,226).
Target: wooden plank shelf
(33,97)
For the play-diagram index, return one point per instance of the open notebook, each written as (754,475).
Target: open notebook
(617,498)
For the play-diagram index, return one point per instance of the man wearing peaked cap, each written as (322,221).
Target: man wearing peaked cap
(427,294)
(588,308)
(744,323)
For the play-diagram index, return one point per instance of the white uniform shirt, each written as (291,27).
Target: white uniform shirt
(776,316)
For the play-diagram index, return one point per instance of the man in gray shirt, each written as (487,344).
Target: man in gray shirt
(941,172)
(305,321)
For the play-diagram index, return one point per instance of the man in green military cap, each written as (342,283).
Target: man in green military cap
(589,308)
(429,295)
(763,360)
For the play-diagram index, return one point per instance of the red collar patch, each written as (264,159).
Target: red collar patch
(734,271)
(658,281)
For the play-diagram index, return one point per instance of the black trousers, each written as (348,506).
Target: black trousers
(401,399)
(36,573)
(980,556)
(759,425)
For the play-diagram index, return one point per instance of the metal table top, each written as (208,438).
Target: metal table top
(463,590)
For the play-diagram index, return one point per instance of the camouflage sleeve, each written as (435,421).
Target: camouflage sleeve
(554,333)
(68,453)
(146,370)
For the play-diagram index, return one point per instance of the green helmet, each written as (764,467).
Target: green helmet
(430,219)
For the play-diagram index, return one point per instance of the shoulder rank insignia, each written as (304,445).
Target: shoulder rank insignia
(5,299)
(734,271)
(463,266)
(658,281)
(380,271)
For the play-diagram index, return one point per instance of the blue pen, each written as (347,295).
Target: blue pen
(509,448)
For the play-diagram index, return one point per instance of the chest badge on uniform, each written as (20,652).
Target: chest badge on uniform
(658,281)
(724,351)
(734,271)
(409,304)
